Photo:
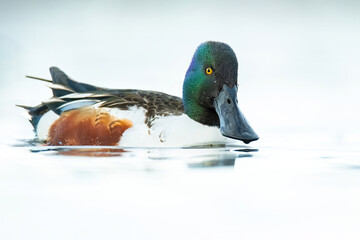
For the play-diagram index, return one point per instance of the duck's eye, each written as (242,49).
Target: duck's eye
(209,71)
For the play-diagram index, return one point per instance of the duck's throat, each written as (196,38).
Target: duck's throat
(206,116)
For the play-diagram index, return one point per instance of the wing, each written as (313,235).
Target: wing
(69,94)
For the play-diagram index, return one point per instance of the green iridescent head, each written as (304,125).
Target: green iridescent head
(210,88)
(213,65)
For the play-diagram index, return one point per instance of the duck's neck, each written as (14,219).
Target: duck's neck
(195,111)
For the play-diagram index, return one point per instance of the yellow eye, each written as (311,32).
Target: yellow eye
(208,70)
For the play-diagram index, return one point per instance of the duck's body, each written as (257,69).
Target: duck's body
(151,119)
(83,114)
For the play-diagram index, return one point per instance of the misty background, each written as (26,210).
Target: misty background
(299,61)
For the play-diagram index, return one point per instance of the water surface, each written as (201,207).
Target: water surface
(202,192)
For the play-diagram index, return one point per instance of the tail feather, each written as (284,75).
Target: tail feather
(35,112)
(60,90)
(27,108)
(41,79)
(59,77)
(61,86)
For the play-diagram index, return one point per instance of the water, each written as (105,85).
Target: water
(218,192)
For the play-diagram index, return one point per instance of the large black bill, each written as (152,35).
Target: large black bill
(232,122)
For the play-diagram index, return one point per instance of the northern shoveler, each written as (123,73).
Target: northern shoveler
(83,114)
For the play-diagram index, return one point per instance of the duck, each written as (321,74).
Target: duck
(208,112)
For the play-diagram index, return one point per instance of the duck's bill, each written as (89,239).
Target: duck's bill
(232,122)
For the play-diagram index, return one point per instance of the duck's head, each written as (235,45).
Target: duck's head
(210,91)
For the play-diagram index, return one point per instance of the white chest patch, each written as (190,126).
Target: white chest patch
(169,131)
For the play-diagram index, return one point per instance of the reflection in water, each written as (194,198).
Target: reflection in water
(200,156)
(246,150)
(28,143)
(91,152)
(219,162)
